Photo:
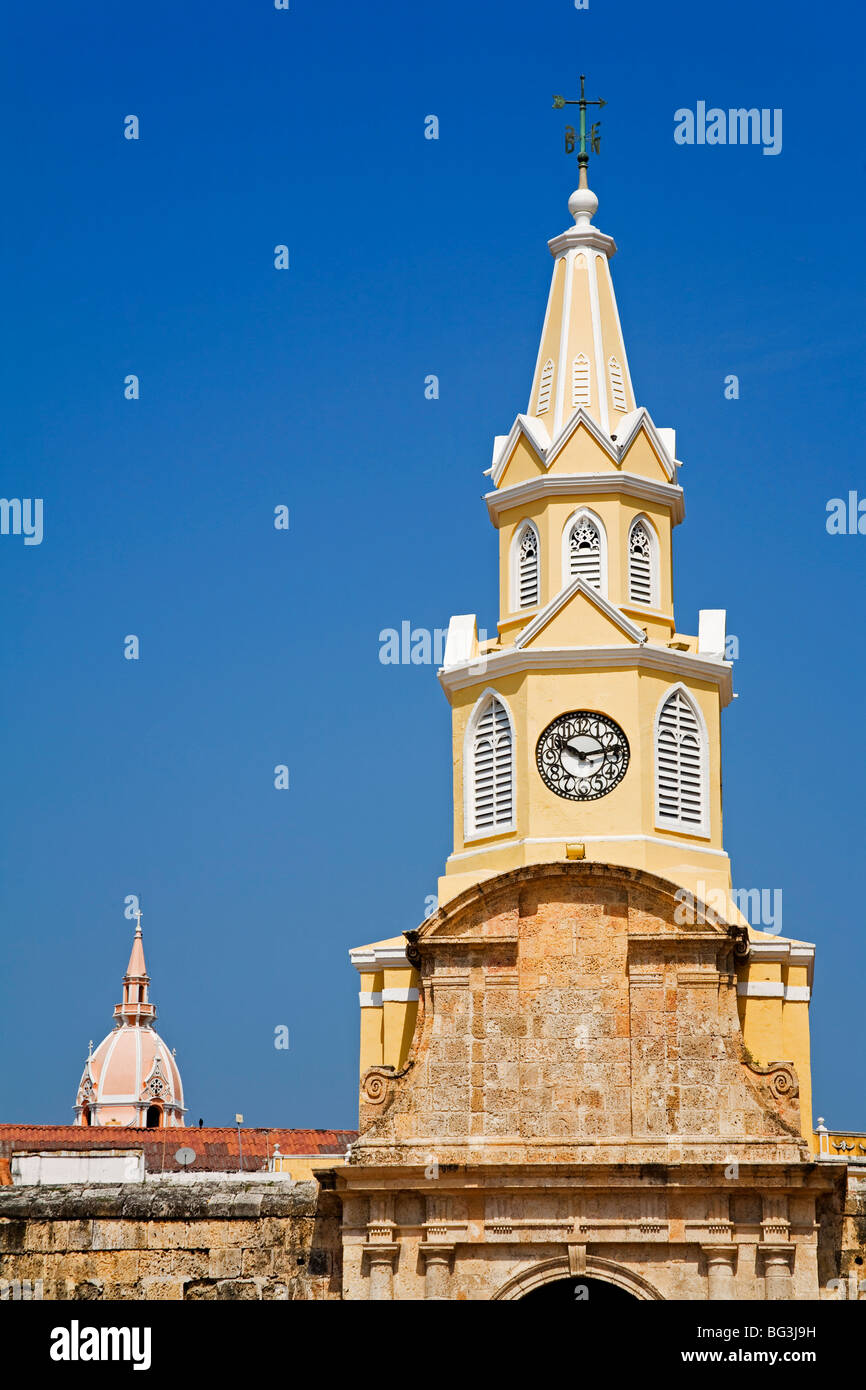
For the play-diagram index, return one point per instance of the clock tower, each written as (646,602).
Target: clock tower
(586,1065)
(586,734)
(589,727)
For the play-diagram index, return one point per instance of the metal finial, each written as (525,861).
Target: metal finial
(591,137)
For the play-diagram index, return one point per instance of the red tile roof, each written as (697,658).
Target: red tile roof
(216,1150)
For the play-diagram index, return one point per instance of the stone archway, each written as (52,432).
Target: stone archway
(618,1282)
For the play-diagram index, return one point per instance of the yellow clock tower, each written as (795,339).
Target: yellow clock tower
(585,494)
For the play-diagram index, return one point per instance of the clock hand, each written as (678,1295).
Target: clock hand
(591,753)
(579,753)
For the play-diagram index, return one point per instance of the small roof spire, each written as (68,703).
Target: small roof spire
(136,965)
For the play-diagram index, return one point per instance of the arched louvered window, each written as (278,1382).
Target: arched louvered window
(489,769)
(585,551)
(545,386)
(642,576)
(580,380)
(681,761)
(617,384)
(525,567)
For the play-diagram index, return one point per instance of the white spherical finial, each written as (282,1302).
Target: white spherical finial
(583,206)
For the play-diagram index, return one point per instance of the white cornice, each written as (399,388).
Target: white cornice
(579,586)
(783,951)
(586,484)
(381,955)
(547,450)
(649,656)
(576,237)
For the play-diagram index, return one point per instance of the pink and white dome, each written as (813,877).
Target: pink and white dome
(132,1078)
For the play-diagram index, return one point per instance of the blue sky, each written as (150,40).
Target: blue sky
(306,388)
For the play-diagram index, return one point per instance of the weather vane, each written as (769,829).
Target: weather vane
(593,137)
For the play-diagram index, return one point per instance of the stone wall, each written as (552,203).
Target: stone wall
(568,1015)
(851,1261)
(211,1240)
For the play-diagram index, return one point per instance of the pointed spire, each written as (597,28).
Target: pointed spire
(582,361)
(137,967)
(136,1007)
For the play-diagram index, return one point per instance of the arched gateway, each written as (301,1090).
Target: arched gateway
(601,1285)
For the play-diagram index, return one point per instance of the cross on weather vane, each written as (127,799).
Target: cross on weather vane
(592,137)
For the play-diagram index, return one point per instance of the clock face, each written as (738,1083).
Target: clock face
(582,755)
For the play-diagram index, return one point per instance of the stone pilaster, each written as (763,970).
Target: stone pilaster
(721,1262)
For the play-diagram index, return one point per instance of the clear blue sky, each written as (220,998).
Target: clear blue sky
(258,387)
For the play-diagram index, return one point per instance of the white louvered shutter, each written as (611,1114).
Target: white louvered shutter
(580,380)
(492,793)
(617,385)
(640,565)
(679,756)
(584,552)
(545,386)
(527,571)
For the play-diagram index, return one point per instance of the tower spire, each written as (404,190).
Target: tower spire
(582,362)
(137,967)
(136,1007)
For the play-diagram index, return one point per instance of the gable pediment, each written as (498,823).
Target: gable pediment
(582,446)
(579,616)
